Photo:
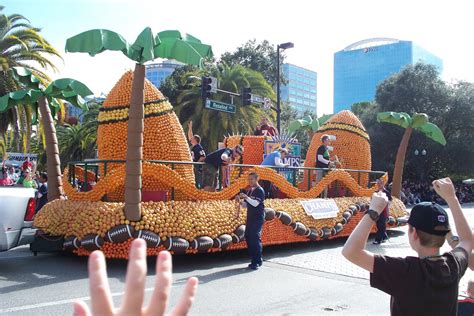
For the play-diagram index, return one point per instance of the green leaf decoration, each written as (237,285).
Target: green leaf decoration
(54,106)
(419,119)
(25,77)
(397,118)
(293,126)
(315,125)
(70,90)
(12,99)
(182,47)
(142,50)
(97,41)
(432,131)
(324,118)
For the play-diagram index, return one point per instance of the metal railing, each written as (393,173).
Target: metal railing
(294,175)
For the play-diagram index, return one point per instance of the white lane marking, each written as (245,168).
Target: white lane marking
(54,303)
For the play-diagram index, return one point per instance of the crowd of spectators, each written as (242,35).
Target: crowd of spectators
(416,192)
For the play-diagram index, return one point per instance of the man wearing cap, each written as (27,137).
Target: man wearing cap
(274,159)
(323,160)
(381,235)
(426,284)
(214,163)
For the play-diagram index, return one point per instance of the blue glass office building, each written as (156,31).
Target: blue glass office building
(361,66)
(157,72)
(300,90)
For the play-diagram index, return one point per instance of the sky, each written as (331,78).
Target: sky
(317,28)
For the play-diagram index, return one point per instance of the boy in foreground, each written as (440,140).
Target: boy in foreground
(423,285)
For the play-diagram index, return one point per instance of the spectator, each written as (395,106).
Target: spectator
(101,298)
(381,235)
(322,161)
(275,159)
(423,285)
(197,153)
(28,179)
(214,163)
(4,179)
(265,128)
(12,174)
(42,195)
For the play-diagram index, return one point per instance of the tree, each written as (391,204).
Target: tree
(419,122)
(45,99)
(21,45)
(167,44)
(260,57)
(231,78)
(172,86)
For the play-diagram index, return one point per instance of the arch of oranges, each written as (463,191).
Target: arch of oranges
(159,175)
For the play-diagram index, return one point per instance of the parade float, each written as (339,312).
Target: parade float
(181,218)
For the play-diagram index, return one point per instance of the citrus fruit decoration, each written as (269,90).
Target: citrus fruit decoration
(163,137)
(352,145)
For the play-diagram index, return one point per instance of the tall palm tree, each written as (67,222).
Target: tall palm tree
(167,44)
(45,99)
(21,45)
(190,105)
(419,122)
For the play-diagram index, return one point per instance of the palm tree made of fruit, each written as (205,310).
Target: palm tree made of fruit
(147,47)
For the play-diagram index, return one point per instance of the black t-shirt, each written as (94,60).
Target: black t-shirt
(421,286)
(215,159)
(197,152)
(322,150)
(256,213)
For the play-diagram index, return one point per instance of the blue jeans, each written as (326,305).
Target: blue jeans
(253,234)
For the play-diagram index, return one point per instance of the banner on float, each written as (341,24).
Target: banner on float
(320,208)
(17,159)
(294,153)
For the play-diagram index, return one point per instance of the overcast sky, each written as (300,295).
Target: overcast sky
(317,28)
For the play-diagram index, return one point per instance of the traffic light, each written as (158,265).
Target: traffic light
(246,96)
(206,87)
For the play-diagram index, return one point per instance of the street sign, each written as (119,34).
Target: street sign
(219,106)
(256,99)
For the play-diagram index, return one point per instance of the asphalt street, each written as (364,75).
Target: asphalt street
(298,279)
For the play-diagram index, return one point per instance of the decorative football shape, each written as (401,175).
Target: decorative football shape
(325,233)
(364,207)
(92,242)
(119,233)
(223,241)
(312,234)
(202,243)
(239,234)
(284,217)
(353,209)
(177,245)
(299,228)
(347,215)
(391,220)
(337,228)
(71,243)
(152,240)
(269,214)
(358,205)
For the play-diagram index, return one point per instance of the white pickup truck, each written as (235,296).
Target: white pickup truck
(17,211)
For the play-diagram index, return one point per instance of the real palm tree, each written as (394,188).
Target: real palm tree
(166,44)
(45,99)
(215,124)
(21,45)
(419,122)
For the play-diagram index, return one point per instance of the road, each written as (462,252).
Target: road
(310,278)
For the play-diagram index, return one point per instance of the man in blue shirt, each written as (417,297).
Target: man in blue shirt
(214,161)
(274,159)
(253,198)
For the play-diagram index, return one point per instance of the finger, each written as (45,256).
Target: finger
(81,309)
(101,301)
(159,298)
(135,279)
(187,298)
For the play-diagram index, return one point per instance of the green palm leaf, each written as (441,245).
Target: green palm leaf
(97,41)
(397,118)
(142,50)
(25,77)
(15,98)
(432,131)
(70,90)
(419,119)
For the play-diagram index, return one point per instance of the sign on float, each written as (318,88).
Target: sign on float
(320,208)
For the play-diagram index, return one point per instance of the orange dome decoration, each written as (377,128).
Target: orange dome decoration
(352,144)
(164,137)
